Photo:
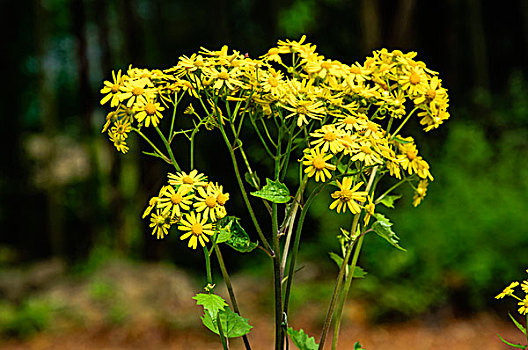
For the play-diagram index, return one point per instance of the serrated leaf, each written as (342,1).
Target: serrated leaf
(274,191)
(252,178)
(223,231)
(302,340)
(388,201)
(233,325)
(519,326)
(518,346)
(211,303)
(383,227)
(358,346)
(238,238)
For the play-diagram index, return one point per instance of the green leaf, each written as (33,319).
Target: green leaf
(233,325)
(302,340)
(337,259)
(520,326)
(238,238)
(518,346)
(252,178)
(358,346)
(211,303)
(359,272)
(383,228)
(400,140)
(274,191)
(224,231)
(388,201)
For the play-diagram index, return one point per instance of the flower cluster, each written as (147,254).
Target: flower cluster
(191,202)
(509,291)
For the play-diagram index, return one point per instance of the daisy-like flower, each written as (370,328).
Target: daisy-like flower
(303,109)
(119,143)
(357,122)
(136,91)
(328,138)
(225,78)
(414,81)
(524,286)
(121,129)
(207,202)
(434,93)
(365,153)
(174,201)
(273,54)
(507,291)
(420,192)
(152,204)
(149,111)
(412,162)
(348,197)
(523,310)
(315,160)
(198,229)
(112,89)
(160,224)
(192,180)
(357,74)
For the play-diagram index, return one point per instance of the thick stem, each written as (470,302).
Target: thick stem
(277,280)
(208,266)
(230,289)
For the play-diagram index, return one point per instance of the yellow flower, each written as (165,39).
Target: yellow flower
(119,143)
(225,78)
(198,229)
(191,180)
(112,89)
(412,162)
(354,121)
(348,197)
(136,91)
(524,286)
(208,202)
(160,224)
(315,160)
(303,109)
(365,153)
(174,201)
(328,138)
(507,291)
(149,111)
(121,129)
(369,209)
(414,81)
(420,192)
(523,310)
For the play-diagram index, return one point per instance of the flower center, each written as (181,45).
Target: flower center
(199,63)
(326,65)
(355,70)
(150,108)
(187,180)
(160,221)
(210,201)
(350,120)
(430,94)
(411,154)
(414,78)
(319,163)
(176,198)
(365,149)
(302,110)
(330,136)
(197,229)
(120,129)
(137,91)
(345,195)
(115,88)
(223,76)
(221,199)
(273,82)
(420,191)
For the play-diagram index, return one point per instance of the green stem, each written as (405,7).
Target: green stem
(391,189)
(208,266)
(403,123)
(277,280)
(167,146)
(230,290)
(342,270)
(162,156)
(344,292)
(244,193)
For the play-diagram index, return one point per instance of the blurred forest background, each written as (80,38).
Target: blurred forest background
(67,195)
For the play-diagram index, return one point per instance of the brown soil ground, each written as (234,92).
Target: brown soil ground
(149,306)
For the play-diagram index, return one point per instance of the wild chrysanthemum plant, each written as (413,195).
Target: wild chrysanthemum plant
(339,126)
(523,309)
